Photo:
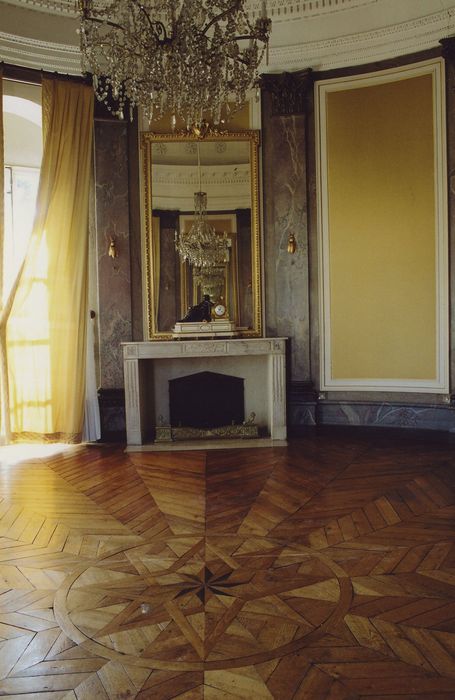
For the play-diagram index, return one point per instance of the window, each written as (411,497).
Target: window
(21,186)
(22,159)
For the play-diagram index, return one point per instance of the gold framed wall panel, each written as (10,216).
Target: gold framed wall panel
(382,231)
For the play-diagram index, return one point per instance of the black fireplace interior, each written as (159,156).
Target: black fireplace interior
(206,400)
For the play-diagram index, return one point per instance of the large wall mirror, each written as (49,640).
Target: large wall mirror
(225,167)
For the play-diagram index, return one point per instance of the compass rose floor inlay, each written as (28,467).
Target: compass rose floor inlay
(323,570)
(214,602)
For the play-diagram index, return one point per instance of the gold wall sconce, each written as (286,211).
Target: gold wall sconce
(292,244)
(112,250)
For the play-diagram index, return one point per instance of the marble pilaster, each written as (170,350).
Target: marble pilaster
(114,278)
(285,213)
(114,274)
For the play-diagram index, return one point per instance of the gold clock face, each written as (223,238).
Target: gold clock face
(219,310)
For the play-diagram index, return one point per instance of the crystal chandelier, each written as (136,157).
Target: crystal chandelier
(187,58)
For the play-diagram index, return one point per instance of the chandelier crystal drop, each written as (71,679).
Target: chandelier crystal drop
(202,246)
(187,58)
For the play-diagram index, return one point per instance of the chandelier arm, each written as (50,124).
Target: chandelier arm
(235,6)
(109,23)
(244,36)
(153,25)
(156,26)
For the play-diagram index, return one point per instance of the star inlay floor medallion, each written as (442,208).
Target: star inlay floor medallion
(224,601)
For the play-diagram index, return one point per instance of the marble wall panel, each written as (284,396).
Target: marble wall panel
(135,239)
(285,212)
(429,417)
(112,220)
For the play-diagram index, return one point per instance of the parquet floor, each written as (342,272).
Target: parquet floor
(325,570)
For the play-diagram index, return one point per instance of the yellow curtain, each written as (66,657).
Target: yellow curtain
(3,373)
(46,328)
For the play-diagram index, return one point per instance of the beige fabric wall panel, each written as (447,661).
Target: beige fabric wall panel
(383,231)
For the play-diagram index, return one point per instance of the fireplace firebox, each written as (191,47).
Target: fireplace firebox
(206,400)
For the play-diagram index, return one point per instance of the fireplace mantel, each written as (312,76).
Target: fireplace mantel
(148,366)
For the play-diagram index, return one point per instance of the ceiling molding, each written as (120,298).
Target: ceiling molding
(351,49)
(277,10)
(45,55)
(55,7)
(365,47)
(285,10)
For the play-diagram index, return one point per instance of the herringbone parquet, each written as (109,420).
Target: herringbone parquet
(321,571)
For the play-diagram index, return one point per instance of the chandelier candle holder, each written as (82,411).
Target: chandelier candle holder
(187,58)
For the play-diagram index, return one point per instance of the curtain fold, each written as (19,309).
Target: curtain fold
(46,327)
(3,371)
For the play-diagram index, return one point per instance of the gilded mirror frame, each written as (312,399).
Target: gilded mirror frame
(150,138)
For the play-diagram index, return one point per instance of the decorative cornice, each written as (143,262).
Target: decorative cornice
(289,91)
(347,50)
(54,7)
(284,10)
(277,10)
(34,53)
(366,47)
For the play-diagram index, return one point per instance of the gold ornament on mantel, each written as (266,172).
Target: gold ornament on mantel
(188,58)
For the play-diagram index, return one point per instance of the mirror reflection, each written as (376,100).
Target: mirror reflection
(202,190)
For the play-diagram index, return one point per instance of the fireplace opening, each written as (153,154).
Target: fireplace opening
(206,400)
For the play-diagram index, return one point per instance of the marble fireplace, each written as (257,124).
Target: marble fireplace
(148,367)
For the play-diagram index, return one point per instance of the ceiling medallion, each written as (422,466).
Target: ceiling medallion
(189,59)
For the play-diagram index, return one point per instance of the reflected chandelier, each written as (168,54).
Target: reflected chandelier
(202,246)
(187,58)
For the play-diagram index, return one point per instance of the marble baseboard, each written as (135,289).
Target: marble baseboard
(386,415)
(112,415)
(302,403)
